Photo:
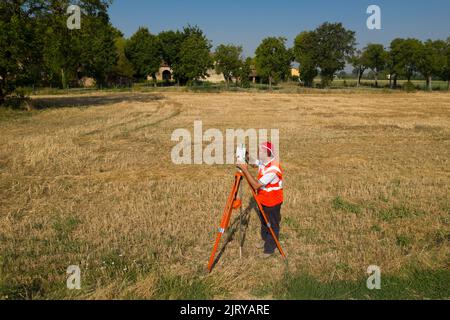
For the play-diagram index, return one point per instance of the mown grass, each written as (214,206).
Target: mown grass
(412,284)
(166,287)
(94,186)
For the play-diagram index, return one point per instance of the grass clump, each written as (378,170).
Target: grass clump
(340,204)
(403,241)
(181,288)
(399,212)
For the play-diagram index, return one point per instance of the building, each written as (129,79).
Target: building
(165,73)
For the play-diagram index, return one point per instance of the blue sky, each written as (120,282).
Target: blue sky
(247,22)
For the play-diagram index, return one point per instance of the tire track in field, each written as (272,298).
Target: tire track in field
(123,124)
(177,109)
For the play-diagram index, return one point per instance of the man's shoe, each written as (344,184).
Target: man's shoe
(267,255)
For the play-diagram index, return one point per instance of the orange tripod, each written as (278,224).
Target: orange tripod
(234,202)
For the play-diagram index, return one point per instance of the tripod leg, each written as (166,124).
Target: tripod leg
(226,217)
(240,227)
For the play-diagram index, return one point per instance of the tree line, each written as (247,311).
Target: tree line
(37,49)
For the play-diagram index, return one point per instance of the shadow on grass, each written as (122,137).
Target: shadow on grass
(95,100)
(240,222)
(415,284)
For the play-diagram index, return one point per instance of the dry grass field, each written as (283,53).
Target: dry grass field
(90,182)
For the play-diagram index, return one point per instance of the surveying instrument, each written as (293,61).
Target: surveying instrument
(234,202)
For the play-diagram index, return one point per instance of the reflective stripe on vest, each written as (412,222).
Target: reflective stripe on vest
(270,189)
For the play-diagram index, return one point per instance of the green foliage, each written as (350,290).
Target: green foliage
(244,73)
(375,57)
(69,55)
(444,73)
(359,64)
(334,47)
(194,56)
(143,50)
(228,59)
(304,54)
(405,57)
(431,59)
(18,56)
(170,44)
(37,48)
(273,59)
(123,67)
(99,56)
(327,48)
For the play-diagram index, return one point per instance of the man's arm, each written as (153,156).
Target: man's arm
(253,182)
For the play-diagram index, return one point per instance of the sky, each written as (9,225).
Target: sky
(247,22)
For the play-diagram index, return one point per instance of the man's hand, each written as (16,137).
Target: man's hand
(254,183)
(242,167)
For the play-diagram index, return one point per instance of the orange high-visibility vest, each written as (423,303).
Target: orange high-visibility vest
(272,194)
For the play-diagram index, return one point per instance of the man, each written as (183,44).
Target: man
(269,187)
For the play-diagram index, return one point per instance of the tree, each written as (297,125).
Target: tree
(404,57)
(123,67)
(228,59)
(10,36)
(375,57)
(20,49)
(334,46)
(359,65)
(190,55)
(445,71)
(69,54)
(305,54)
(195,59)
(99,53)
(170,44)
(143,50)
(244,72)
(37,47)
(394,61)
(431,60)
(272,59)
